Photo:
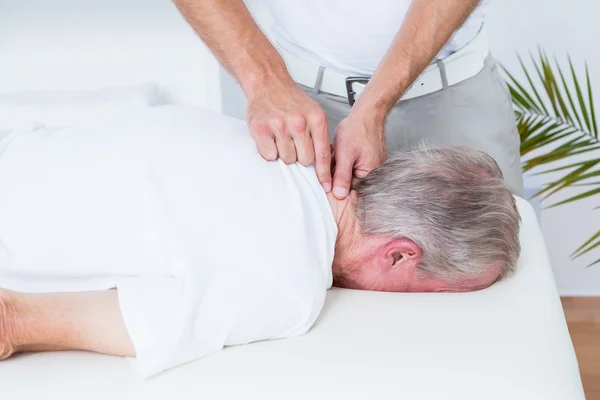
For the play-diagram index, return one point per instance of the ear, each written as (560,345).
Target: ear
(402,254)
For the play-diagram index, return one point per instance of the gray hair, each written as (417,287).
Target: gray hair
(452,202)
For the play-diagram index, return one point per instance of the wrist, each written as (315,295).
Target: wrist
(371,115)
(265,74)
(382,93)
(374,106)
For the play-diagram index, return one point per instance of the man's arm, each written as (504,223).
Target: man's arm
(360,141)
(283,120)
(230,32)
(427,27)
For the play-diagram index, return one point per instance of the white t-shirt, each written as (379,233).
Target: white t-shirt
(208,244)
(350,36)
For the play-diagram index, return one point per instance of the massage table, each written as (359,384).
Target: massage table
(509,341)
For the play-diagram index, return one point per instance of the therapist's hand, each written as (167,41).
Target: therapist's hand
(286,123)
(358,148)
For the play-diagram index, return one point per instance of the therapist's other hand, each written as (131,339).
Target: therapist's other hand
(358,148)
(286,123)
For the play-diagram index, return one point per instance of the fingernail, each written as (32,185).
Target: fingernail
(340,192)
(326,187)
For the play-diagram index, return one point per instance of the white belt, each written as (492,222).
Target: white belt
(461,65)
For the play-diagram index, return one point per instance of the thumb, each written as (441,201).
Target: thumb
(342,178)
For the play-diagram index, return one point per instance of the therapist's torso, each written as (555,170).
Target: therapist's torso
(351,36)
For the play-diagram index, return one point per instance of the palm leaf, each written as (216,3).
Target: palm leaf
(541,106)
(557,155)
(594,263)
(521,98)
(549,135)
(577,197)
(557,122)
(548,85)
(567,180)
(582,105)
(569,97)
(588,184)
(570,166)
(586,246)
(591,100)
(580,177)
(588,249)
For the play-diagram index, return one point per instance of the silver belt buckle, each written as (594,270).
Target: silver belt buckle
(350,91)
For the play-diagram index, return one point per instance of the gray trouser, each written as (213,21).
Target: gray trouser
(476,113)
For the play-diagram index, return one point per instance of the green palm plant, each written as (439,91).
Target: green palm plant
(556,121)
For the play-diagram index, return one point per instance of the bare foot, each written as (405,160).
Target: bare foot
(7,324)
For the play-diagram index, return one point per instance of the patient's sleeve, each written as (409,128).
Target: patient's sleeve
(173,321)
(271,309)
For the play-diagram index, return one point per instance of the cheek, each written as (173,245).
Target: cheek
(428,285)
(393,283)
(371,279)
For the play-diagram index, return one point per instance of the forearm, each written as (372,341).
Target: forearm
(89,321)
(228,29)
(427,27)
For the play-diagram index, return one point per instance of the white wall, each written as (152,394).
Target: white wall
(59,44)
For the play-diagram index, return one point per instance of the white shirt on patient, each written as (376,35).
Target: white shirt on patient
(208,244)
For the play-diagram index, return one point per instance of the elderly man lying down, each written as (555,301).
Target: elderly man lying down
(165,236)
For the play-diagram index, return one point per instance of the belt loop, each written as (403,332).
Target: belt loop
(443,75)
(319,81)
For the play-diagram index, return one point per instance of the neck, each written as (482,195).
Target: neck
(338,208)
(348,231)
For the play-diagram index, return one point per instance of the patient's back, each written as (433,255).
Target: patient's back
(172,203)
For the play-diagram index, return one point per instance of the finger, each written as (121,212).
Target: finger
(343,174)
(284,142)
(304,148)
(267,147)
(297,129)
(322,149)
(286,149)
(265,141)
(332,163)
(362,172)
